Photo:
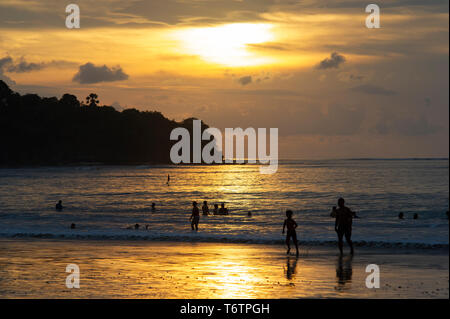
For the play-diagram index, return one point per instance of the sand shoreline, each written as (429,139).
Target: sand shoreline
(35,268)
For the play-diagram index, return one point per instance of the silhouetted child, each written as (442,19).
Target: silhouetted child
(195,217)
(205,208)
(153,207)
(291,225)
(416,216)
(249,214)
(216,209)
(72,226)
(400,216)
(59,206)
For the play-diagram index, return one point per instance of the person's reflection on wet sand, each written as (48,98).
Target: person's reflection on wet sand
(344,271)
(290,267)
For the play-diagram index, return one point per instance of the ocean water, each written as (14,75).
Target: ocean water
(104,200)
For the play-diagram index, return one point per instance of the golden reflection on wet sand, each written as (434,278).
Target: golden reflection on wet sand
(36,269)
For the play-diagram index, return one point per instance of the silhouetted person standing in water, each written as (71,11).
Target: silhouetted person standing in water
(291,226)
(401,216)
(416,216)
(195,217)
(153,207)
(343,225)
(216,209)
(168,179)
(223,210)
(205,208)
(59,207)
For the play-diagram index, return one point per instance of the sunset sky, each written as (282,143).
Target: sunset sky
(334,88)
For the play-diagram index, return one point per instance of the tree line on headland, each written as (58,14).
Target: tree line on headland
(38,130)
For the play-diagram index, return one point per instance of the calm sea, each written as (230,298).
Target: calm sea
(103,201)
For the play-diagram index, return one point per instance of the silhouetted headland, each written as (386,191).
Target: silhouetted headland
(50,131)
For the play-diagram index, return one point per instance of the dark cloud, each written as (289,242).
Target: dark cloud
(22,66)
(6,79)
(333,62)
(89,73)
(425,41)
(198,12)
(4,61)
(135,13)
(433,5)
(245,80)
(373,89)
(144,13)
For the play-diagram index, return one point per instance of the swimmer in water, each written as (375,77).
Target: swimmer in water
(59,207)
(205,208)
(223,210)
(216,209)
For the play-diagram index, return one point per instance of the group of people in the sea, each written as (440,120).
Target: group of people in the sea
(342,214)
(195,216)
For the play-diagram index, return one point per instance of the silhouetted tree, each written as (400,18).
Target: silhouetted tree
(92,100)
(48,131)
(69,100)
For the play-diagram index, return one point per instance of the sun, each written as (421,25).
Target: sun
(227,44)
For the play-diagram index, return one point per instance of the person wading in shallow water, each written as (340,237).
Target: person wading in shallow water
(205,208)
(195,217)
(59,207)
(343,225)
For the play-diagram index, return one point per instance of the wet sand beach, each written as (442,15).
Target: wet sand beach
(36,268)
